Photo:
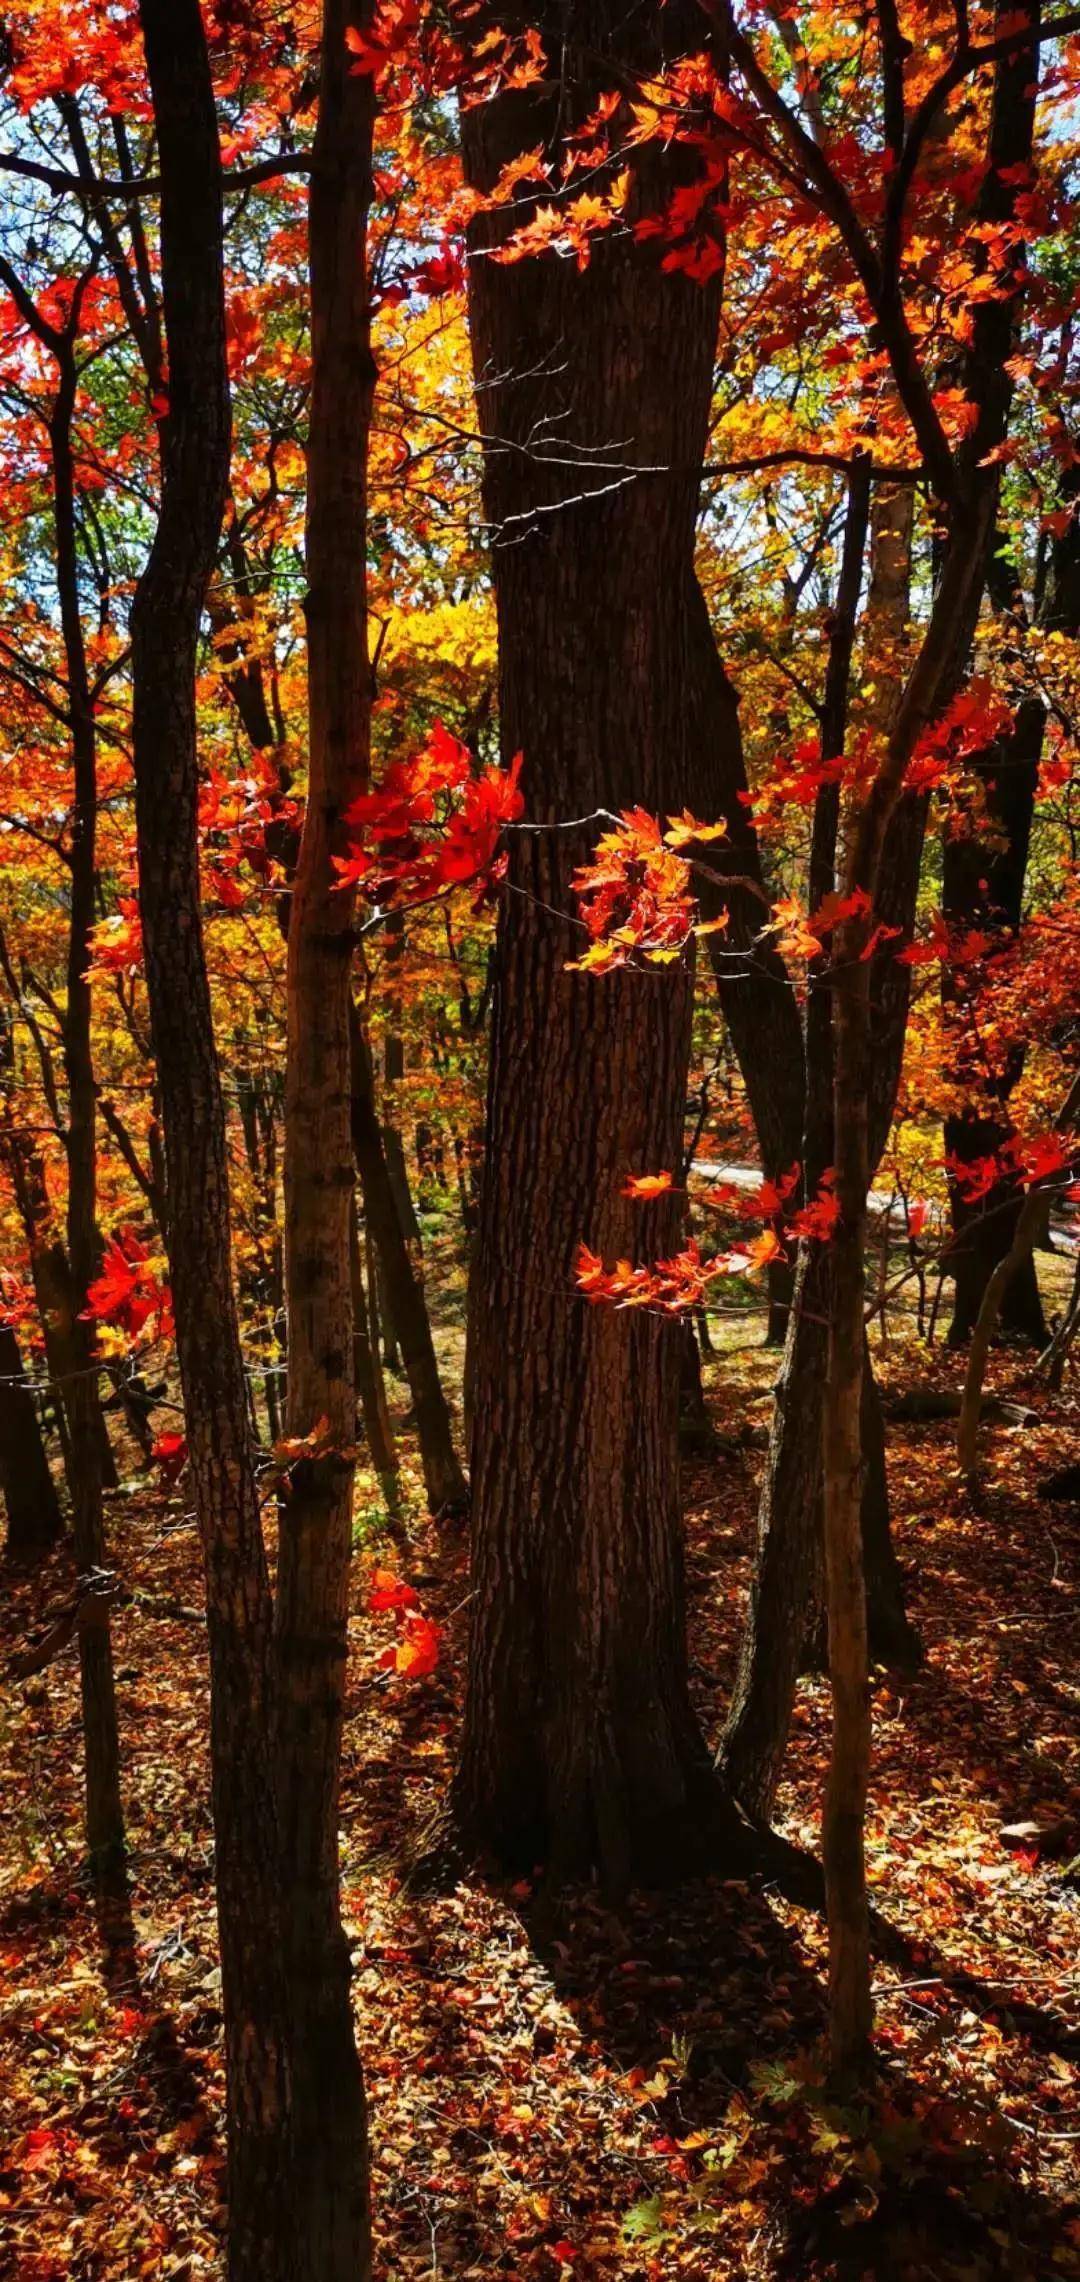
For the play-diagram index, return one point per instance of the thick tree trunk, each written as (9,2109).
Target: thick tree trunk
(579,1743)
(263,2222)
(402,1292)
(26,1485)
(330,2158)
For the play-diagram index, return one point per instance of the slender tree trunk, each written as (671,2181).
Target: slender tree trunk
(1031,1228)
(579,1744)
(786,1586)
(330,2129)
(1030,1225)
(264,2223)
(983,889)
(394,1071)
(370,1384)
(929,687)
(27,1487)
(850,2008)
(786,1610)
(402,1292)
(104,1810)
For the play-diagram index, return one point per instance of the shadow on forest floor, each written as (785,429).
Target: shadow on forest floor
(703,1994)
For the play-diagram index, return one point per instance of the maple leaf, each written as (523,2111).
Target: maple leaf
(683,830)
(794,932)
(116,943)
(834,908)
(390,1592)
(416,1652)
(642,1186)
(818,1218)
(170,1452)
(757,1254)
(772,1196)
(292,1447)
(634,896)
(129,1291)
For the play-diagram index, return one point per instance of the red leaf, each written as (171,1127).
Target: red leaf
(390,1592)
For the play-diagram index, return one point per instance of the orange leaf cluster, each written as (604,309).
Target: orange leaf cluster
(634,896)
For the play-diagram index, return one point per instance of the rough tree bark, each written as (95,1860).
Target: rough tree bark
(262,2228)
(579,1743)
(329,2116)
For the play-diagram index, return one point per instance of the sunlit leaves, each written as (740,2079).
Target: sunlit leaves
(431,826)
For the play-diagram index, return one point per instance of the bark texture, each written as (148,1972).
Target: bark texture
(165,627)
(329,2120)
(579,1742)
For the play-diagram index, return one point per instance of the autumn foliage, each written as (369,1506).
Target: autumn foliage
(337,884)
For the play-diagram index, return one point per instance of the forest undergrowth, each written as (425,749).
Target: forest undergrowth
(570,2090)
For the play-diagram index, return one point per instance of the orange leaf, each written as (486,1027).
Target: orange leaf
(642,1186)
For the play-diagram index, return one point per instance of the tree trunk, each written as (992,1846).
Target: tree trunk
(784,1630)
(264,2225)
(1030,1225)
(402,1293)
(101,1739)
(579,1743)
(29,1493)
(787,1581)
(370,1384)
(50,1270)
(892,1636)
(330,2158)
(785,1618)
(850,2006)
(757,1001)
(983,889)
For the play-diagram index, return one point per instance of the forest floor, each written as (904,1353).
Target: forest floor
(635,2094)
